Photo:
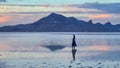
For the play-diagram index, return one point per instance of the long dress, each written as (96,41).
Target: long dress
(74,42)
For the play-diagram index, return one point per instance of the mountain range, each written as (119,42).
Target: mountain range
(59,23)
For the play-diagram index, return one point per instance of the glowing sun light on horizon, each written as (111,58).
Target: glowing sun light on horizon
(4,19)
(100,16)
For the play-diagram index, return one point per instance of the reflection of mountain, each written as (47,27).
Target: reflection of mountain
(54,47)
(59,23)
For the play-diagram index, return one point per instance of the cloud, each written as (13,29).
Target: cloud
(95,16)
(14,8)
(107,7)
(4,19)
(71,8)
(14,19)
(2,0)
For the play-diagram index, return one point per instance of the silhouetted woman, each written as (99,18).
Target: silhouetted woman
(73,42)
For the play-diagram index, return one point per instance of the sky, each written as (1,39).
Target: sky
(13,12)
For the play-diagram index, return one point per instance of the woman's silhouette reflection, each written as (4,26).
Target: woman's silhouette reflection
(73,47)
(73,54)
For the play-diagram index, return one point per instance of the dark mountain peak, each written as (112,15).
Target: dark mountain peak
(90,21)
(108,24)
(52,18)
(52,14)
(55,15)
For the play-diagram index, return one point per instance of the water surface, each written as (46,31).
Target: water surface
(57,46)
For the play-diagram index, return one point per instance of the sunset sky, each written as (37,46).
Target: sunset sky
(14,12)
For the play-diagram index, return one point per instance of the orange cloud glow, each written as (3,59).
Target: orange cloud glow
(4,19)
(99,48)
(100,16)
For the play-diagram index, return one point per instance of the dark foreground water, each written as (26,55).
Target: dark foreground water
(53,50)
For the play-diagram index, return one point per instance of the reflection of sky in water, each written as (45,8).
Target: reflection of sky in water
(25,45)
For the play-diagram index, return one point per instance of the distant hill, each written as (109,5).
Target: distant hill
(59,23)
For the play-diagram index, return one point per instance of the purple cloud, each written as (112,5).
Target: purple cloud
(2,0)
(106,7)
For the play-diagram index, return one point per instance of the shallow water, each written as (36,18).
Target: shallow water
(38,48)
